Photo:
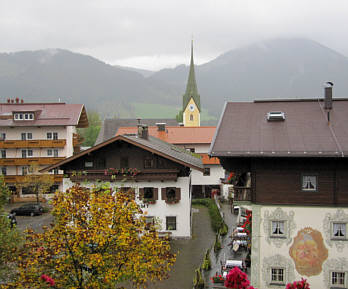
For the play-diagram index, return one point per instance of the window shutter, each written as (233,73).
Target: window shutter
(155,194)
(141,193)
(164,195)
(178,194)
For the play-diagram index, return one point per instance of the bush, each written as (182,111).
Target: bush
(198,282)
(224,230)
(206,261)
(215,217)
(217,244)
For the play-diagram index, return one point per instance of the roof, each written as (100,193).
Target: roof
(111,125)
(181,135)
(243,130)
(47,114)
(151,144)
(191,86)
(178,135)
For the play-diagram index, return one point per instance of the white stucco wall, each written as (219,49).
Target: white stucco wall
(266,250)
(161,209)
(216,172)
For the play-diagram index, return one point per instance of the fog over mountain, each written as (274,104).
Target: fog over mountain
(278,68)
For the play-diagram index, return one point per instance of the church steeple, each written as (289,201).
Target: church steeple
(191,86)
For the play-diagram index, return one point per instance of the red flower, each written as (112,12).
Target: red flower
(47,279)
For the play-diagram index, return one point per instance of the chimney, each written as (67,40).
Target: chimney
(143,131)
(17,99)
(181,124)
(161,126)
(328,95)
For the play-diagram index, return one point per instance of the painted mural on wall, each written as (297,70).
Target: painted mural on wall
(308,252)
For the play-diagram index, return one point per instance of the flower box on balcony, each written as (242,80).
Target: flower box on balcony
(149,201)
(172,201)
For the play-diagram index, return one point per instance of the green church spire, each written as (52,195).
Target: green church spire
(191,87)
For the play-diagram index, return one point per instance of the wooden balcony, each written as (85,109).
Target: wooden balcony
(7,144)
(29,161)
(242,194)
(144,175)
(20,179)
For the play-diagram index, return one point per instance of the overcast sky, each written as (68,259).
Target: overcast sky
(153,34)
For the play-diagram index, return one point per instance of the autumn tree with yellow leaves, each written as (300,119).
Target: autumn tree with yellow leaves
(99,239)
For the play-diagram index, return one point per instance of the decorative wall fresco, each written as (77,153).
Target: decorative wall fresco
(308,252)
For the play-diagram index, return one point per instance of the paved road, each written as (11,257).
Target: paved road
(26,222)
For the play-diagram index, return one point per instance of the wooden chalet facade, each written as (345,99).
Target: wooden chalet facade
(291,162)
(159,174)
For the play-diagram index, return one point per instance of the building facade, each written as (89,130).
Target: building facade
(34,135)
(157,173)
(295,156)
(197,140)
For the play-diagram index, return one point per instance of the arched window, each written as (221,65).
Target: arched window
(191,117)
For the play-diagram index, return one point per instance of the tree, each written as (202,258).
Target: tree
(90,133)
(38,183)
(179,116)
(99,239)
(10,239)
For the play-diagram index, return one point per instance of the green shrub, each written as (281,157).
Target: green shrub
(198,282)
(215,217)
(224,230)
(217,244)
(206,261)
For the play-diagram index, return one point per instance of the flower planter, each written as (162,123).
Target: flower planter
(171,202)
(217,279)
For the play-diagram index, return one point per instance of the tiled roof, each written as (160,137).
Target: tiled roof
(152,144)
(47,114)
(243,130)
(178,134)
(206,160)
(110,126)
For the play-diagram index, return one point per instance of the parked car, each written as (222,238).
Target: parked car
(28,209)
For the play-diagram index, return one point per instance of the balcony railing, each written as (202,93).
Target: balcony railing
(20,179)
(242,194)
(6,144)
(143,175)
(29,161)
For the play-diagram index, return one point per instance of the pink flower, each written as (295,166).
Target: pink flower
(47,279)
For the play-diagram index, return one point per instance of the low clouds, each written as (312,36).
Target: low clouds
(153,34)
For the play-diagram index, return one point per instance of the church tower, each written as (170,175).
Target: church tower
(191,99)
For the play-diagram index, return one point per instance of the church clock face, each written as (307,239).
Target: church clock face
(192,107)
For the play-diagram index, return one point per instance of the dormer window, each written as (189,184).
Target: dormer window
(23,116)
(275,116)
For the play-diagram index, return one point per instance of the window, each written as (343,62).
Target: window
(309,183)
(2,136)
(55,153)
(25,136)
(170,223)
(55,171)
(148,163)
(206,172)
(124,162)
(52,135)
(191,117)
(4,171)
(148,193)
(3,154)
(89,164)
(27,153)
(277,276)
(339,230)
(338,279)
(49,152)
(278,229)
(170,194)
(24,171)
(192,150)
(23,116)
